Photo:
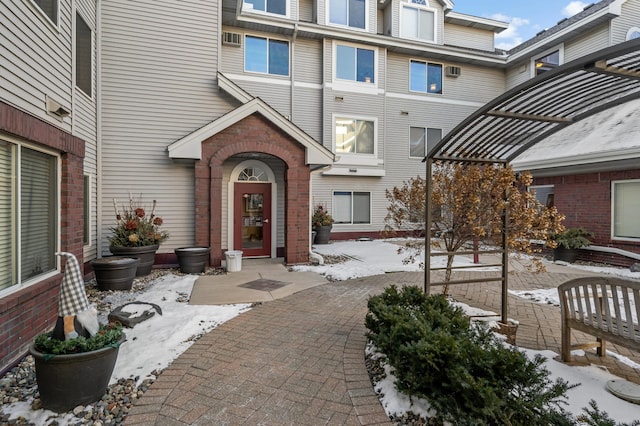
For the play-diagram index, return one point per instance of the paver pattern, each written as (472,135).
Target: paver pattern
(300,360)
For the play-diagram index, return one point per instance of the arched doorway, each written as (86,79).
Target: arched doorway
(252,209)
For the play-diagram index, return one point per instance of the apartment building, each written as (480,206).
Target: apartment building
(237,117)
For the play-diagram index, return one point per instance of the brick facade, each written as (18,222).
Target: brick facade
(33,309)
(585,200)
(253,134)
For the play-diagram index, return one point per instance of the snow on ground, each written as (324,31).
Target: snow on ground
(155,343)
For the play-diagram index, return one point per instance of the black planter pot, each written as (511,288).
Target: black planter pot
(323,233)
(66,381)
(115,272)
(146,254)
(565,254)
(192,260)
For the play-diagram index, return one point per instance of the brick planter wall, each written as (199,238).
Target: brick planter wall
(585,200)
(253,134)
(33,309)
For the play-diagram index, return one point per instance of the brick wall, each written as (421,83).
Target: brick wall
(585,200)
(33,309)
(253,134)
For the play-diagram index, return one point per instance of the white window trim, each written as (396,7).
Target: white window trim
(436,20)
(55,25)
(355,158)
(328,22)
(426,140)
(631,31)
(246,9)
(613,203)
(532,61)
(244,56)
(354,85)
(22,284)
(75,58)
(427,62)
(333,194)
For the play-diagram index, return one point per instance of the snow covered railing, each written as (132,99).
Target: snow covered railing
(605,307)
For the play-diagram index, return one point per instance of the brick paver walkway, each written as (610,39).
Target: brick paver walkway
(300,360)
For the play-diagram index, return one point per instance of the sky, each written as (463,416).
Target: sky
(526,18)
(156,342)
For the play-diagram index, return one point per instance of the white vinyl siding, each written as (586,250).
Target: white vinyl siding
(626,205)
(470,38)
(594,40)
(158,86)
(37,59)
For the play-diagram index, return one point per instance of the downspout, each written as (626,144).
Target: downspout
(99,215)
(293,79)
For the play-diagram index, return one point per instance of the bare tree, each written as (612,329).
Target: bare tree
(467,203)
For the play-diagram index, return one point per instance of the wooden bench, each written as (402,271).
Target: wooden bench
(607,308)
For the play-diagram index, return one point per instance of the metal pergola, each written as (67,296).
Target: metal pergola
(512,123)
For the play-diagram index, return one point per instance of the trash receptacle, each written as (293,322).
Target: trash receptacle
(234,260)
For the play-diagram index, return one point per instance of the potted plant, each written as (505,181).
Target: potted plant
(569,242)
(76,371)
(115,272)
(137,234)
(321,222)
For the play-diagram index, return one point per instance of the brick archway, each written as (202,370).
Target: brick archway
(253,134)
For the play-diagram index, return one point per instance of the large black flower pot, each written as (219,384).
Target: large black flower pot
(66,381)
(192,260)
(565,254)
(146,254)
(322,234)
(115,272)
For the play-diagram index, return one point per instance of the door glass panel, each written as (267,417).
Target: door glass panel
(252,221)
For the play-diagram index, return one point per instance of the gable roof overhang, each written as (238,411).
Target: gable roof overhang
(190,146)
(525,115)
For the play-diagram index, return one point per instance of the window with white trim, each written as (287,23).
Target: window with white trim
(425,77)
(49,8)
(354,136)
(355,64)
(422,140)
(28,213)
(625,207)
(634,32)
(350,207)
(417,21)
(84,56)
(266,55)
(350,13)
(278,7)
(547,62)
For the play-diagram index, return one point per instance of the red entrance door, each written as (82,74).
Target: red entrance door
(252,219)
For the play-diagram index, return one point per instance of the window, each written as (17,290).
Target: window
(28,213)
(547,62)
(355,136)
(351,13)
(417,22)
(351,207)
(417,138)
(633,32)
(544,194)
(278,7)
(626,205)
(355,64)
(83,56)
(267,56)
(49,8)
(425,77)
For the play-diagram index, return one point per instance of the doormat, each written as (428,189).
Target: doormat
(264,285)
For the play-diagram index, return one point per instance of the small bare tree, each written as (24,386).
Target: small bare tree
(467,204)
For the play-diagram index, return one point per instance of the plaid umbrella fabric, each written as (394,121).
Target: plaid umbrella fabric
(73,298)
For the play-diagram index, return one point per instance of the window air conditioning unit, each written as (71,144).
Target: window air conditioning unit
(452,71)
(232,39)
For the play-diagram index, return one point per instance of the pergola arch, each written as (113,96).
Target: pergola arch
(517,120)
